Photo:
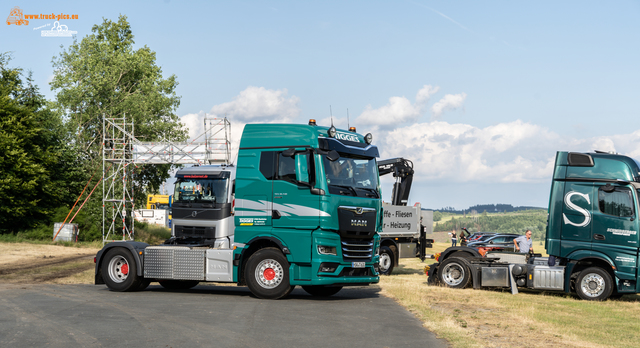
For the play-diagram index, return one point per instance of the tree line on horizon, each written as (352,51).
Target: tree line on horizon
(533,219)
(50,149)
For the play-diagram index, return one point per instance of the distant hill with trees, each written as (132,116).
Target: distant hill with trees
(503,222)
(489,208)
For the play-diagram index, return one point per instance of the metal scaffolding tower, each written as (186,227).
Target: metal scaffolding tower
(121,151)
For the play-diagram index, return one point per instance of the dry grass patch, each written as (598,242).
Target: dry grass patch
(45,263)
(495,318)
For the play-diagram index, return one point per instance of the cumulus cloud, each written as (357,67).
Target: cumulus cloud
(513,152)
(398,110)
(254,104)
(448,102)
(259,104)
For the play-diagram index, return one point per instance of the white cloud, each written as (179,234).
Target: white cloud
(513,152)
(254,104)
(398,110)
(259,104)
(448,102)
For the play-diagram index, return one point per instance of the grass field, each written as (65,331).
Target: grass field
(494,318)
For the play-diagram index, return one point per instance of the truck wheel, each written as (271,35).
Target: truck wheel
(119,270)
(321,291)
(594,284)
(171,284)
(432,278)
(267,274)
(386,260)
(461,254)
(454,273)
(144,283)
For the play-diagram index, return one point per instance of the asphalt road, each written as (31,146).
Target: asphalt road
(210,316)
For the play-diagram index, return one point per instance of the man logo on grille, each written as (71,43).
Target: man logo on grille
(193,214)
(359,210)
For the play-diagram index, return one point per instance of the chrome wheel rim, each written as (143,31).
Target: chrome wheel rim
(593,285)
(269,273)
(118,269)
(385,262)
(453,274)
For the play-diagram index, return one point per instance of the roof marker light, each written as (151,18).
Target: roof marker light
(352,129)
(312,122)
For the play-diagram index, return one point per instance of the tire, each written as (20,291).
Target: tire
(144,283)
(594,284)
(454,273)
(119,270)
(432,279)
(321,291)
(267,274)
(171,284)
(461,254)
(387,260)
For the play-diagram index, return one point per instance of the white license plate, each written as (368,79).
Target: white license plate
(357,264)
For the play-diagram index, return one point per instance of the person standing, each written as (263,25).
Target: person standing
(454,238)
(524,244)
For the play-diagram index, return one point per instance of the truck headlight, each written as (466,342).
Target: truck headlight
(327,250)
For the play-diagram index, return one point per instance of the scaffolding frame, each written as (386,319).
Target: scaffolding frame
(121,151)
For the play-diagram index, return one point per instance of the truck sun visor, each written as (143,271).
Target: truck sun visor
(348,147)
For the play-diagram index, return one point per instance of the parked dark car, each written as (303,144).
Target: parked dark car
(497,242)
(477,236)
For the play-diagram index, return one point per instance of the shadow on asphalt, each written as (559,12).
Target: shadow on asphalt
(346,294)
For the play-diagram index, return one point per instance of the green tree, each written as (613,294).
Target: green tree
(103,75)
(38,166)
(437,216)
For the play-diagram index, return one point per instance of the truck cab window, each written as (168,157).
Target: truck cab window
(352,176)
(286,168)
(617,203)
(200,190)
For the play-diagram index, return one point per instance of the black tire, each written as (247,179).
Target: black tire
(267,274)
(144,283)
(594,284)
(461,254)
(432,279)
(171,284)
(387,261)
(454,273)
(321,291)
(119,270)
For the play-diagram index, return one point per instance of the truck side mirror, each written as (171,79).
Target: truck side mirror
(289,152)
(333,155)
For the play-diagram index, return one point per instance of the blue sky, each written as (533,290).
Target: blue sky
(479,95)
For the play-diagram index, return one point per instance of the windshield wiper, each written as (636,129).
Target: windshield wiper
(375,192)
(346,187)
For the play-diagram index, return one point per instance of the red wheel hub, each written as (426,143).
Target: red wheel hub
(269,274)
(124,269)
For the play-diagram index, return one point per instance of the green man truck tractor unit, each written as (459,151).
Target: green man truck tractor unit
(300,207)
(593,229)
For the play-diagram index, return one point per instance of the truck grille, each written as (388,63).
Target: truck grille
(357,249)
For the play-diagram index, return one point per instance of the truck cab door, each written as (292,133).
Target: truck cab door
(578,204)
(615,226)
(294,206)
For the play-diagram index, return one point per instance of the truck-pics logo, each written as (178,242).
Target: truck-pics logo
(16,17)
(571,205)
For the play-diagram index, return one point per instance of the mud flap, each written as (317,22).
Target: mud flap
(514,286)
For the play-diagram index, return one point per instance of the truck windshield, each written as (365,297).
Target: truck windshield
(352,176)
(200,191)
